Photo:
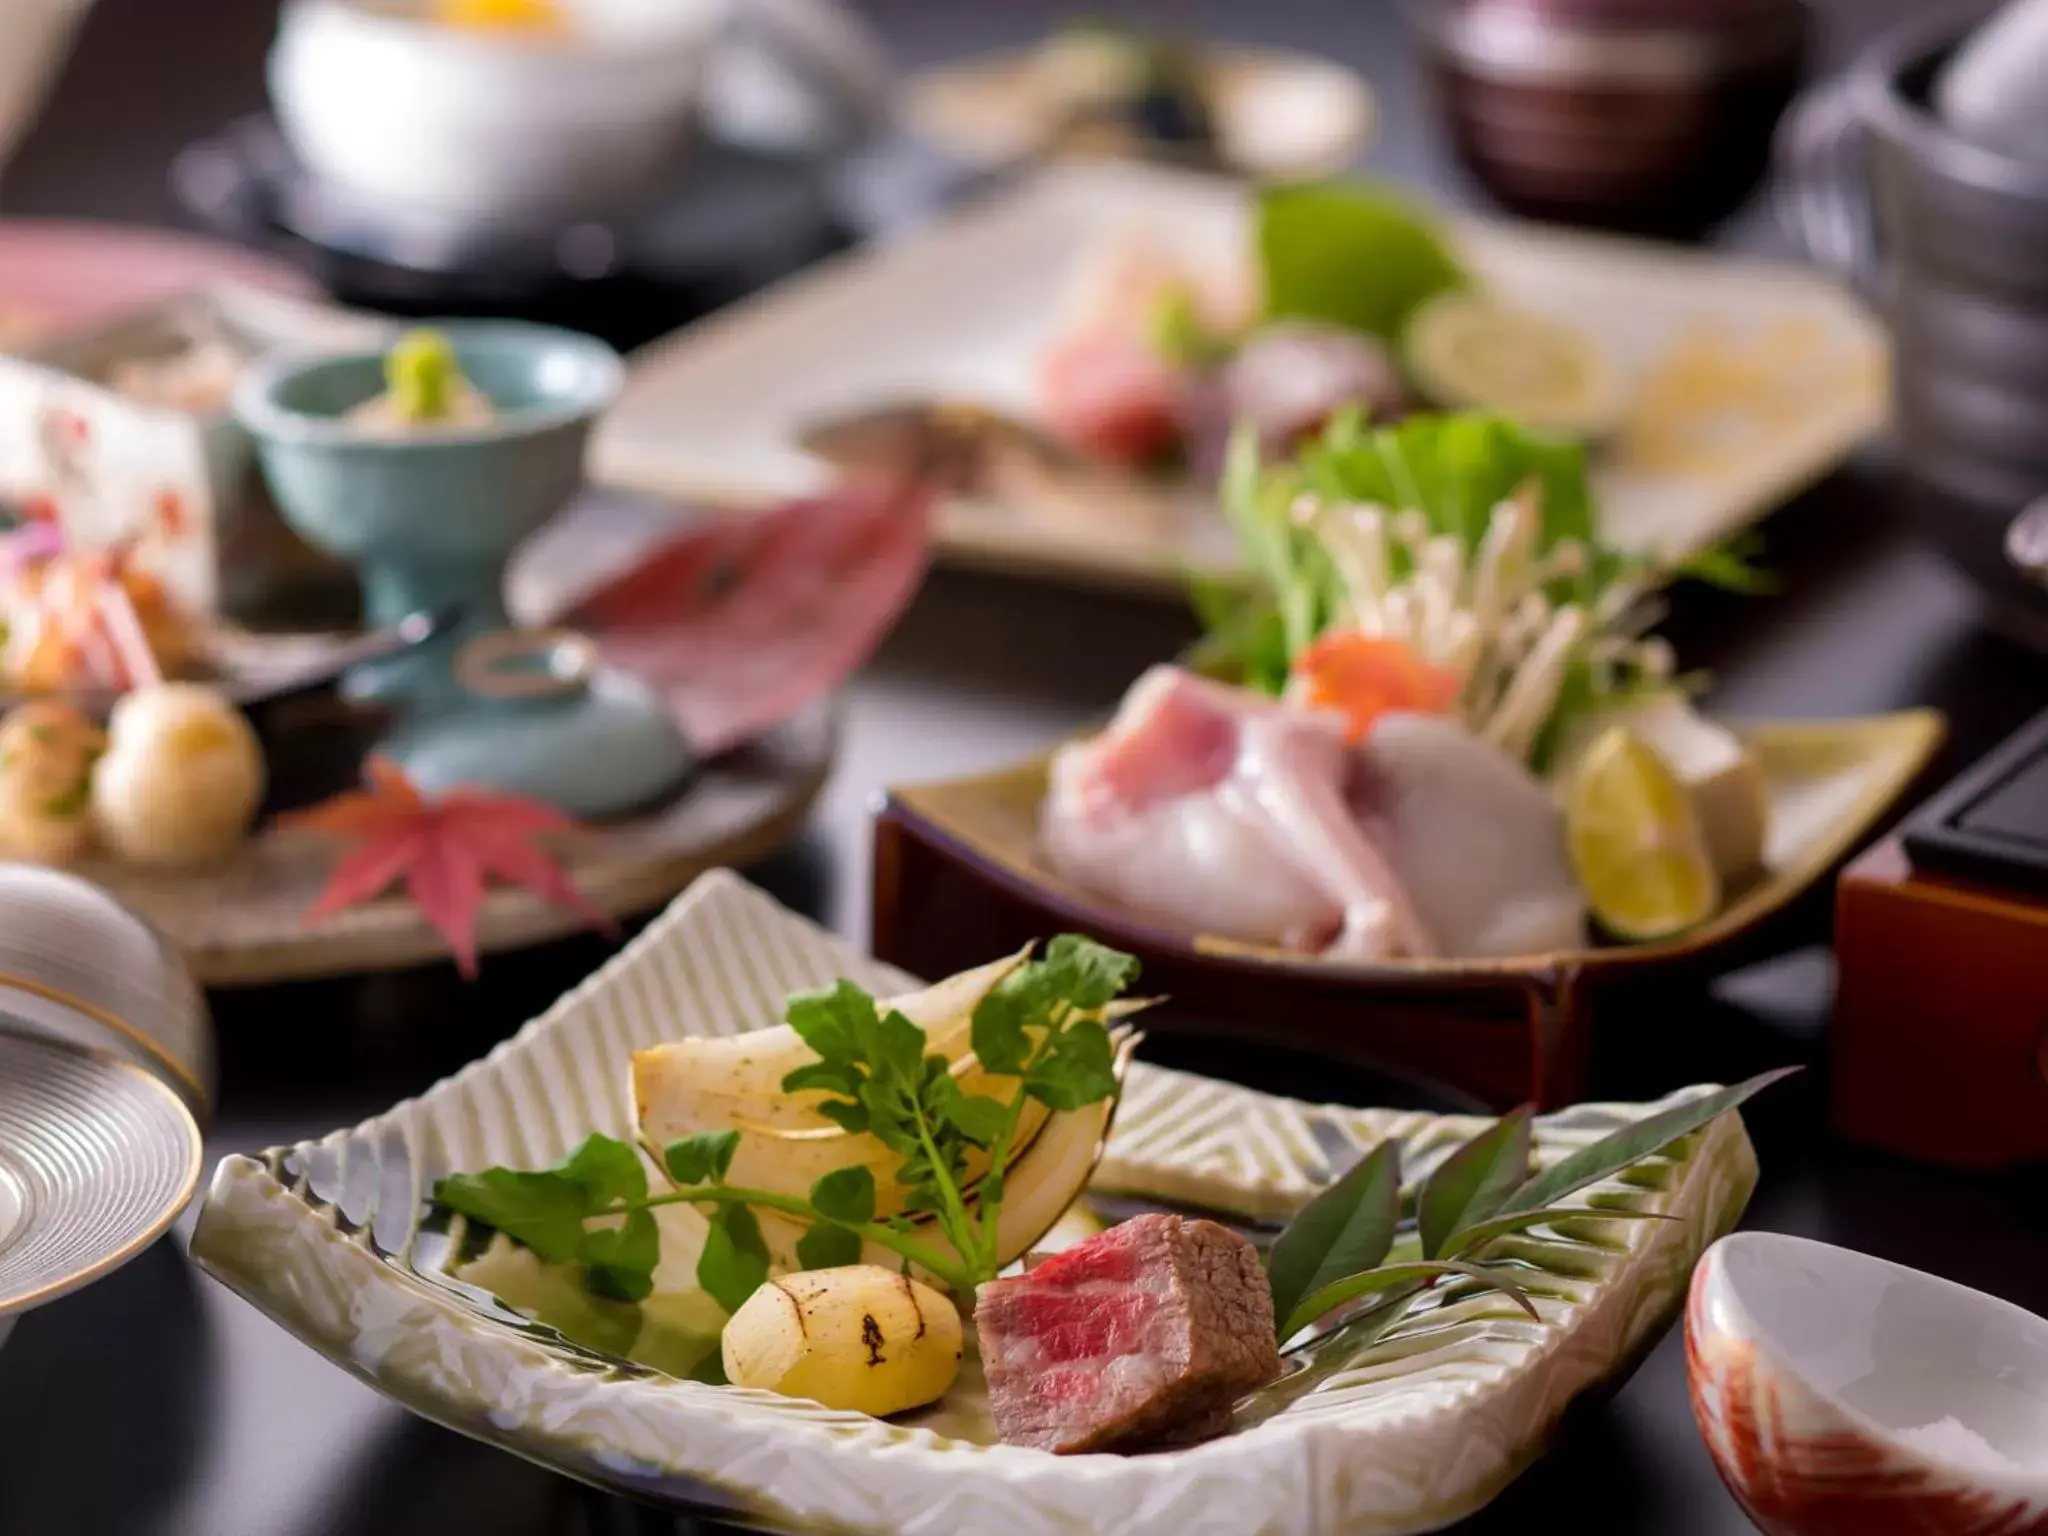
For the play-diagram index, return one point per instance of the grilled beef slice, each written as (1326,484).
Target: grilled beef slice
(1150,1330)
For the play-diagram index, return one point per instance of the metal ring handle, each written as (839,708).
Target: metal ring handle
(526,664)
(2026,541)
(1818,189)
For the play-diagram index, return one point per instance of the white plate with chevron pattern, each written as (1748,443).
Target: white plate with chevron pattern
(1410,1433)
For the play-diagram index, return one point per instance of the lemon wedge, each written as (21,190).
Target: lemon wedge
(1719,774)
(1635,841)
(1466,351)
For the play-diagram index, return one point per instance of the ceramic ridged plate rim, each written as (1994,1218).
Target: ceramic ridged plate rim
(327,1238)
(98,1157)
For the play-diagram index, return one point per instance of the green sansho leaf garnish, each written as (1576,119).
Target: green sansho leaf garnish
(1345,1245)
(1040,1025)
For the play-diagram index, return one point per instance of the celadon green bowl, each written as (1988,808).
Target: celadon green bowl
(429,517)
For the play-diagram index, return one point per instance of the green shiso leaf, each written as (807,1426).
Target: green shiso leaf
(1352,255)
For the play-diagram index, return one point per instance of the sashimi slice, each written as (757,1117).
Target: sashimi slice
(1224,812)
(1472,837)
(1111,395)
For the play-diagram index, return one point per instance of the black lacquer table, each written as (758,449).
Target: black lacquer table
(155,1404)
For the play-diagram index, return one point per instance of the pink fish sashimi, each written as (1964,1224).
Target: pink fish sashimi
(1224,812)
(1111,396)
(746,619)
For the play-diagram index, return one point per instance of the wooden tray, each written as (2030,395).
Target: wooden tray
(957,873)
(963,309)
(240,924)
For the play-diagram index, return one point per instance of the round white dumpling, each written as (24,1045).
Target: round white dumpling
(181,779)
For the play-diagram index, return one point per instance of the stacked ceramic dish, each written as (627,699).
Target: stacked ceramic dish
(105,1067)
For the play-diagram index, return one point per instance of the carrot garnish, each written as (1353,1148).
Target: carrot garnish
(1363,677)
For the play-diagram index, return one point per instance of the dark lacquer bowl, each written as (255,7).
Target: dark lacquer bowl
(958,873)
(1654,116)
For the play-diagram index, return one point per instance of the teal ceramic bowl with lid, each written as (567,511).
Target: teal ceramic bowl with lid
(429,514)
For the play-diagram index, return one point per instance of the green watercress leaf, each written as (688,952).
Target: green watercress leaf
(542,1211)
(1085,975)
(891,1119)
(1632,1143)
(1351,254)
(545,1210)
(607,1170)
(619,1262)
(827,1246)
(1474,1182)
(1415,1278)
(846,1195)
(1078,1068)
(975,1116)
(849,1115)
(1346,1230)
(1076,976)
(702,1158)
(734,1263)
(1000,1042)
(834,1021)
(895,1054)
(833,1076)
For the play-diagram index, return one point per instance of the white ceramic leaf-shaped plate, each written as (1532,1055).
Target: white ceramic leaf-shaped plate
(1410,1434)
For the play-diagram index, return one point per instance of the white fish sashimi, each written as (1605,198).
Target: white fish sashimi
(1224,812)
(1473,837)
(1227,813)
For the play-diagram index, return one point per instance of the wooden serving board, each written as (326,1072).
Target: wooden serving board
(242,923)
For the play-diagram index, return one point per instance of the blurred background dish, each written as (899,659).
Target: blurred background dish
(147,455)
(60,275)
(732,220)
(1950,236)
(1647,115)
(1096,89)
(468,114)
(505,124)
(38,36)
(1748,378)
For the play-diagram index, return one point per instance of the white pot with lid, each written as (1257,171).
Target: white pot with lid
(507,130)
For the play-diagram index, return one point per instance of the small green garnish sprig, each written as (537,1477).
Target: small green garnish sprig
(422,376)
(1341,1248)
(1041,1025)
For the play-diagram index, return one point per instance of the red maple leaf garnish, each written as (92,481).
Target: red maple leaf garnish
(445,850)
(744,619)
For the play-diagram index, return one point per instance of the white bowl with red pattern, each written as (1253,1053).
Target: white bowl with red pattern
(1840,1394)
